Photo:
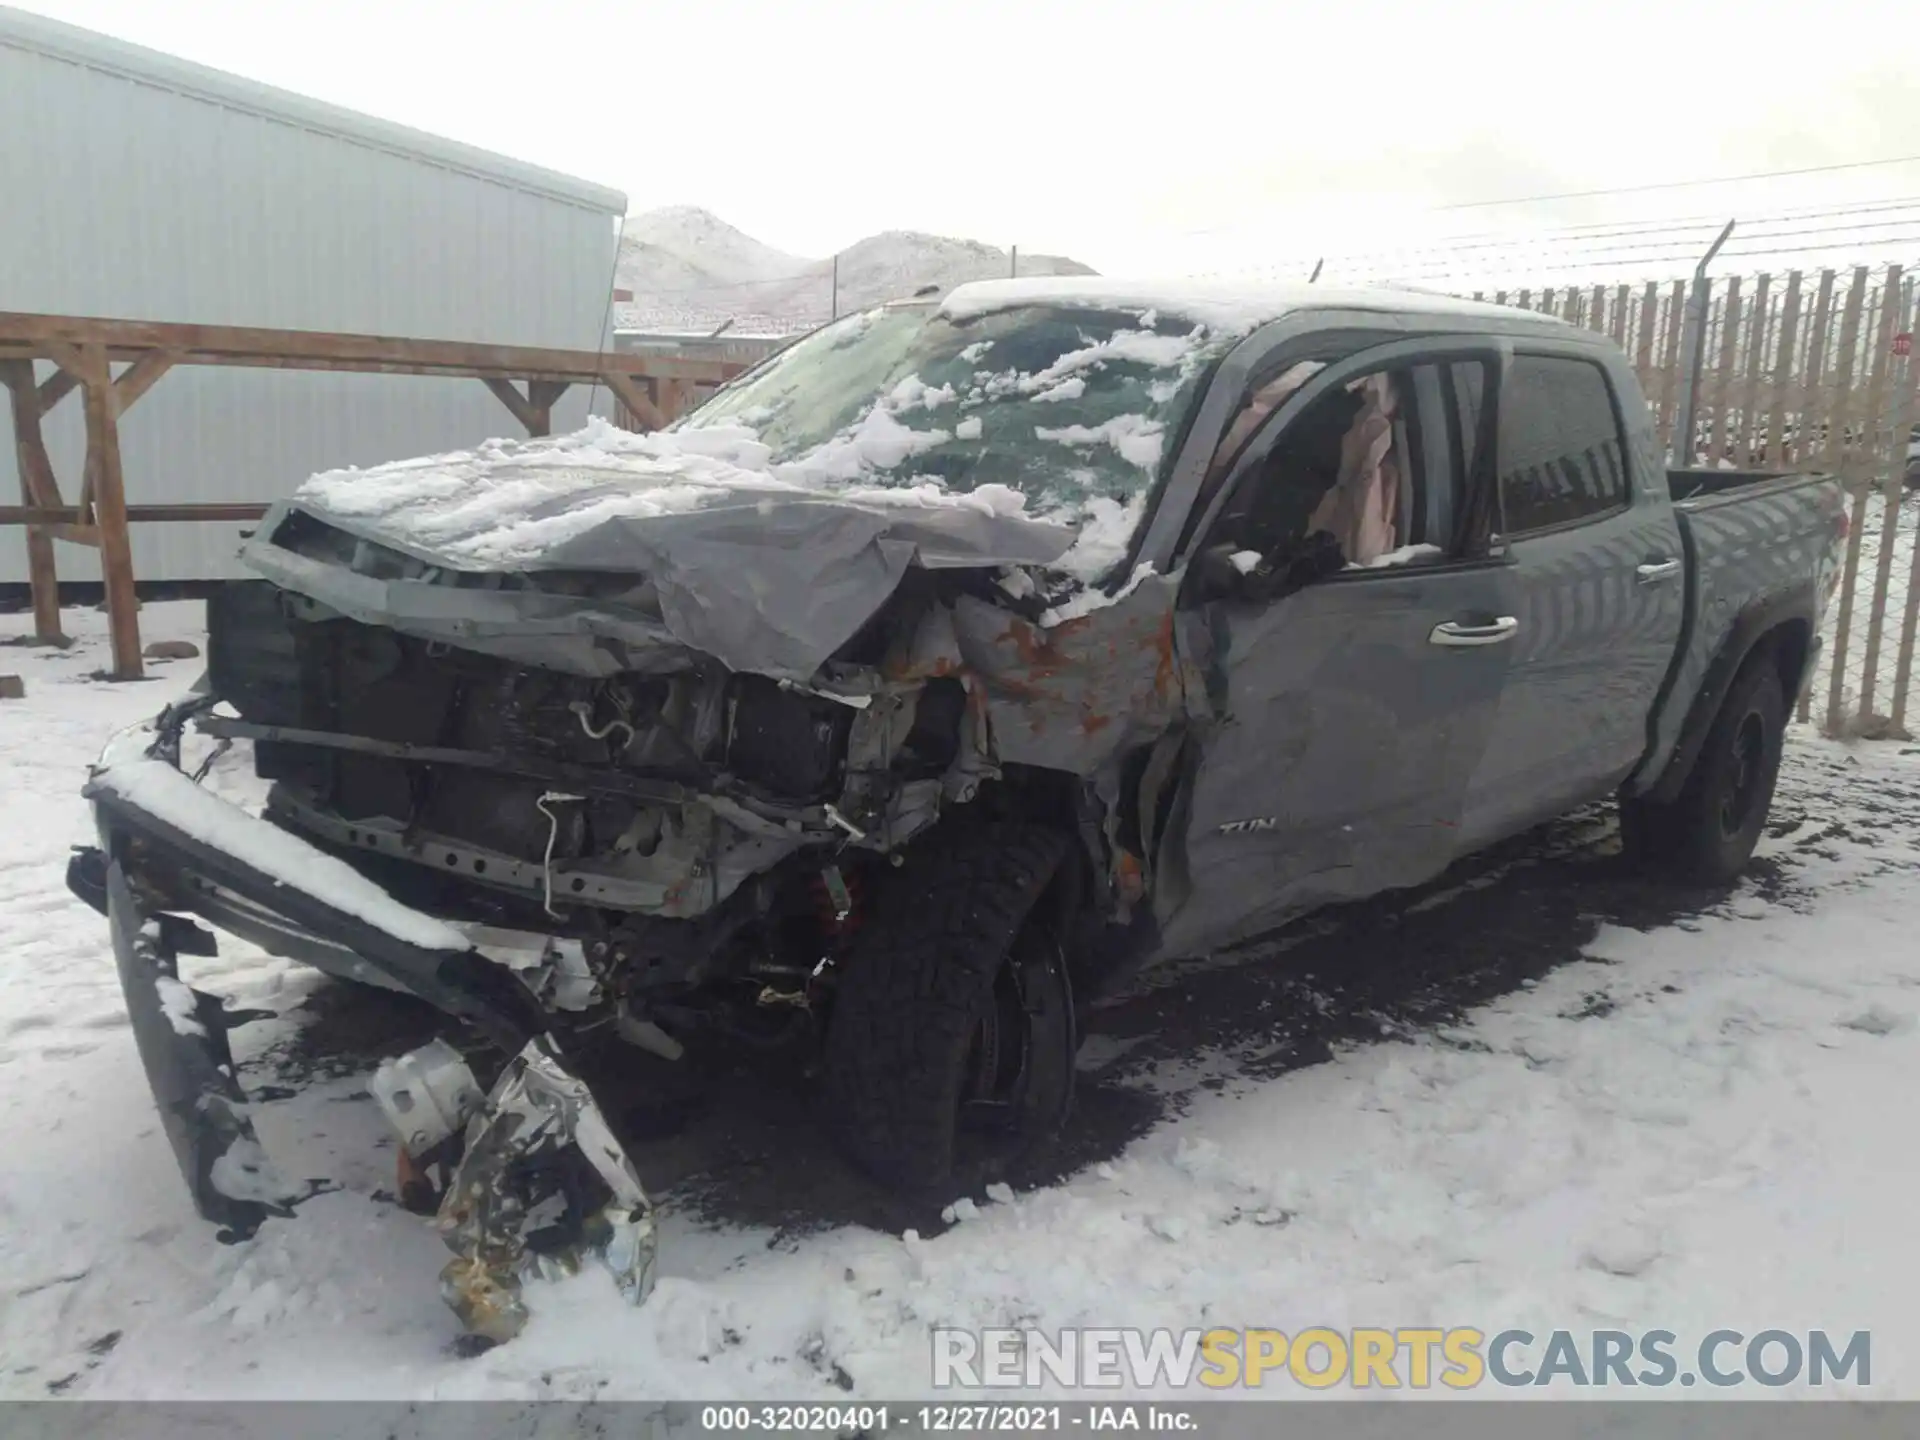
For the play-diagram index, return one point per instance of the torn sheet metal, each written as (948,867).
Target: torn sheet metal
(517,1202)
(1072,696)
(772,583)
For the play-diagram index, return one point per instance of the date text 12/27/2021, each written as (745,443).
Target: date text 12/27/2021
(949,1419)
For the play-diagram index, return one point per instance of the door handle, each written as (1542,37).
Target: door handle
(1654,571)
(1494,632)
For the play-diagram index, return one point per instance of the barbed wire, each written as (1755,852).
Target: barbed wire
(1608,191)
(1668,231)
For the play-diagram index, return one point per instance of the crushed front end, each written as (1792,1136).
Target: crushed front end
(587,764)
(557,862)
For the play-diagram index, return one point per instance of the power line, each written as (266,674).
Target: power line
(1454,245)
(1614,248)
(1683,184)
(1830,236)
(1547,266)
(1648,188)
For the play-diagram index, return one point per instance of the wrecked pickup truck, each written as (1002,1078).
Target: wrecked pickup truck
(935,676)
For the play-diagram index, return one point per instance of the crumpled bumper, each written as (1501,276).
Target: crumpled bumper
(169,850)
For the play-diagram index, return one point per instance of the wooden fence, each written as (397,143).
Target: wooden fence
(1799,371)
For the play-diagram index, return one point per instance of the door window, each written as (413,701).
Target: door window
(1371,476)
(1562,453)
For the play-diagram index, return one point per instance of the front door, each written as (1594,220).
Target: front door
(1343,721)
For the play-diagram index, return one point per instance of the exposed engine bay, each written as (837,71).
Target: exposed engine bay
(655,818)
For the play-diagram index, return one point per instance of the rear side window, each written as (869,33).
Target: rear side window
(1562,456)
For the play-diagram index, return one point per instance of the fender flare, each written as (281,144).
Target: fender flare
(1753,630)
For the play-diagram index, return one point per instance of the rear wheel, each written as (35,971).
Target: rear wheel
(952,1015)
(1708,832)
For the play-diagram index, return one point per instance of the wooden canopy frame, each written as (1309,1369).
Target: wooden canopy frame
(84,351)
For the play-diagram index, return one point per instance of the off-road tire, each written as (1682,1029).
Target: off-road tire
(914,989)
(1707,833)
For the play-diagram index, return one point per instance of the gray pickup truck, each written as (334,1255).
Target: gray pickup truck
(936,675)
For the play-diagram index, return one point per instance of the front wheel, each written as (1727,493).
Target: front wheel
(1708,832)
(952,1013)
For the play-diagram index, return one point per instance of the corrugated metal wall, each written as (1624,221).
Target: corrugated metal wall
(126,195)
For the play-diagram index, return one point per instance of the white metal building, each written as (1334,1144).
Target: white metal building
(134,185)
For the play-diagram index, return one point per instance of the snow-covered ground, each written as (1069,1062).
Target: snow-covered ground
(1541,1094)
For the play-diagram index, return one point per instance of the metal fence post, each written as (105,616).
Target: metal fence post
(1693,355)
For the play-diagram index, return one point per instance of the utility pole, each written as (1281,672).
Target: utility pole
(1013,263)
(833,312)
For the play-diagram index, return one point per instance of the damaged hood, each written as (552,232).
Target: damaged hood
(691,540)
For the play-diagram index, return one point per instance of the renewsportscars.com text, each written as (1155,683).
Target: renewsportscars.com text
(1417,1358)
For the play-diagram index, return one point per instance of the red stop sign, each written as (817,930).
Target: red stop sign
(1903,344)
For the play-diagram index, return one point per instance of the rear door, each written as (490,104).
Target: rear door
(1596,550)
(1342,721)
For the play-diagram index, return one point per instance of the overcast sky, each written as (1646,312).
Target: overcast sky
(1172,137)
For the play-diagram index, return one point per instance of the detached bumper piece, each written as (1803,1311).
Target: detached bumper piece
(182,1037)
(539,1184)
(538,1179)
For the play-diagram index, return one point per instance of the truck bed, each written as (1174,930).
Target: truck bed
(1751,540)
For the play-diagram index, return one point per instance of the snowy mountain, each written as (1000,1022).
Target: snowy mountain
(689,272)
(683,245)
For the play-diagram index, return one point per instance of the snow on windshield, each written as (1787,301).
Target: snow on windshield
(1055,414)
(1066,407)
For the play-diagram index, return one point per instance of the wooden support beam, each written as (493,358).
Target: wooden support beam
(67,356)
(51,336)
(533,408)
(133,382)
(37,487)
(627,390)
(56,387)
(138,378)
(542,395)
(110,506)
(509,395)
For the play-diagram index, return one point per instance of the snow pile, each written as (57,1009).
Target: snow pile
(1065,378)
(1135,438)
(1088,600)
(1103,538)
